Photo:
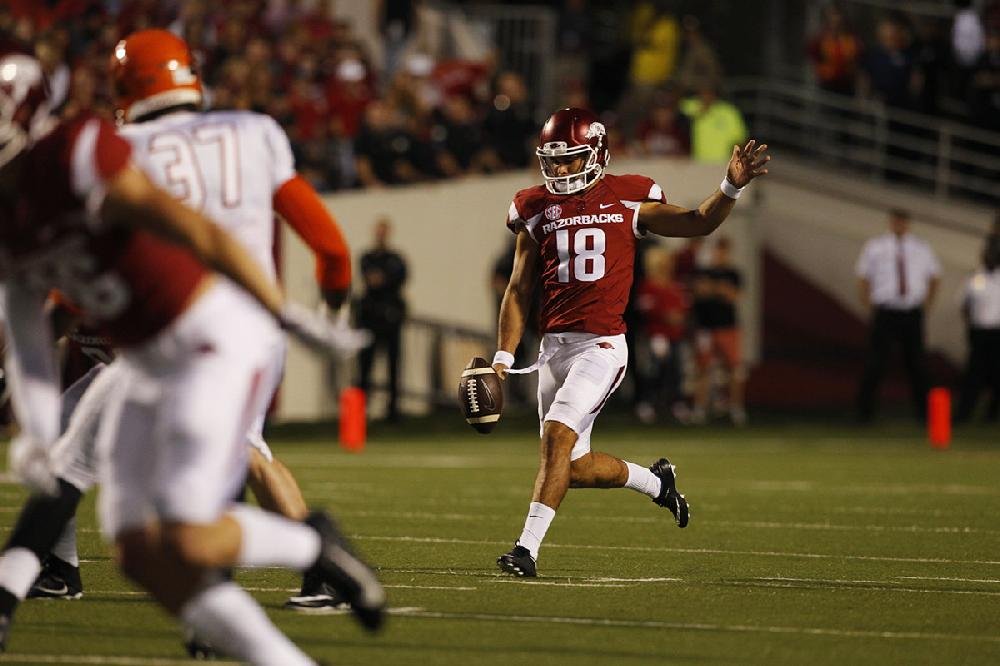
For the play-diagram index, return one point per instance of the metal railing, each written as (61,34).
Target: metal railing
(525,38)
(884,144)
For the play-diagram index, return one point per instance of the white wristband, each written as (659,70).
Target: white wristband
(504,358)
(731,190)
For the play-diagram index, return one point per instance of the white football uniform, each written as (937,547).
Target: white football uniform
(228,165)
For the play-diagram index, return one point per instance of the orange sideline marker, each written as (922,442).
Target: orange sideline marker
(939,417)
(353,424)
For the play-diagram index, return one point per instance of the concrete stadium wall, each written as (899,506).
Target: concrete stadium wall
(450,234)
(821,234)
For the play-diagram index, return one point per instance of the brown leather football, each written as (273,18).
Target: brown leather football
(481,394)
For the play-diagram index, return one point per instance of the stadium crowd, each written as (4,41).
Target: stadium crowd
(425,107)
(944,66)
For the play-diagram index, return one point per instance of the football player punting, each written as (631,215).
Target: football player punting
(237,167)
(77,215)
(576,235)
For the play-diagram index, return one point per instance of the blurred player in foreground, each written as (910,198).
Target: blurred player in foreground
(77,215)
(577,235)
(197,158)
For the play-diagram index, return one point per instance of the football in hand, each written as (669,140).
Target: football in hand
(481,395)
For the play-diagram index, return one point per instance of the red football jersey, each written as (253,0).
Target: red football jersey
(587,250)
(127,283)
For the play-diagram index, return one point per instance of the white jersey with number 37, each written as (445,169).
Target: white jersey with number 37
(226,164)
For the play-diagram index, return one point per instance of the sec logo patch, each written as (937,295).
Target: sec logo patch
(553,212)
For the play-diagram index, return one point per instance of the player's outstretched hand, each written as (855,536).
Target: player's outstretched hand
(29,461)
(747,163)
(321,334)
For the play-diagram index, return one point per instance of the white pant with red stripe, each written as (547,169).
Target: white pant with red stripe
(581,372)
(174,432)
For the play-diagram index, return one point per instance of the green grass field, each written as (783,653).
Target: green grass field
(807,544)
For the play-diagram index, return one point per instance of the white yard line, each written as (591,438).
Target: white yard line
(733,628)
(533,581)
(956,580)
(753,524)
(7,658)
(692,551)
(849,586)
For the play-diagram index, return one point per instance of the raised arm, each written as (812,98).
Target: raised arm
(662,219)
(516,302)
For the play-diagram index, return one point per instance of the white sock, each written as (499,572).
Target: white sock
(270,540)
(230,621)
(642,480)
(19,567)
(535,526)
(65,548)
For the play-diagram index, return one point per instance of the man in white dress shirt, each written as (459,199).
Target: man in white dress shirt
(898,277)
(981,308)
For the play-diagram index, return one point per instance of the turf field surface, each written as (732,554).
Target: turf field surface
(807,544)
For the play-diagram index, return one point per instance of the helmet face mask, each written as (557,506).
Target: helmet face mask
(24,112)
(573,138)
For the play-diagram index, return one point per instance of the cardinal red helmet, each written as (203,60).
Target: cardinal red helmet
(153,70)
(24,110)
(569,134)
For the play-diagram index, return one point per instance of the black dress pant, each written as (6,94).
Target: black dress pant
(888,328)
(982,371)
(388,339)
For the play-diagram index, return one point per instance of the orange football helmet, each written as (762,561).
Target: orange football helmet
(153,70)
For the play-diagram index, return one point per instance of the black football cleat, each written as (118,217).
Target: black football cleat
(348,575)
(316,597)
(57,580)
(518,562)
(198,649)
(669,497)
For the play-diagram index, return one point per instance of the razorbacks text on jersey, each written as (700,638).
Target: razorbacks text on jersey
(52,237)
(226,164)
(587,250)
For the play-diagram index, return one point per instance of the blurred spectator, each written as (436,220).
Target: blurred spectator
(664,132)
(663,309)
(574,37)
(509,124)
(460,139)
(889,68)
(444,33)
(968,37)
(981,310)
(898,276)
(382,149)
(835,52)
(716,126)
(687,261)
(699,64)
(717,337)
(381,310)
(50,49)
(347,96)
(655,37)
(984,86)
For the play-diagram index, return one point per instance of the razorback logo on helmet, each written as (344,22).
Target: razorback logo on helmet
(595,130)
(153,70)
(572,151)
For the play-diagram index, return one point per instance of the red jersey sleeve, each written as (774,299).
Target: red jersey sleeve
(96,155)
(526,210)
